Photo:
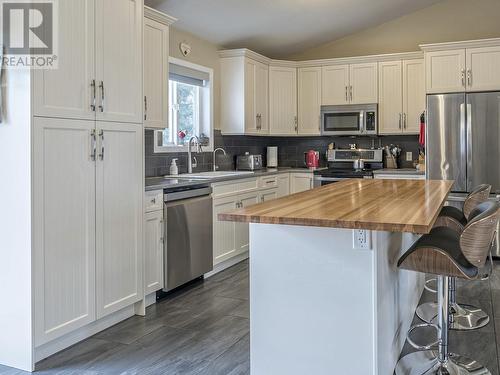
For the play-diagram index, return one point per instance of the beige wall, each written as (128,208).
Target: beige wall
(449,20)
(202,53)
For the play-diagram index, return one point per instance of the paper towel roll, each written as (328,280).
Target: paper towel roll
(272,157)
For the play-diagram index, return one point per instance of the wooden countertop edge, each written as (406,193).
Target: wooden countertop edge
(389,227)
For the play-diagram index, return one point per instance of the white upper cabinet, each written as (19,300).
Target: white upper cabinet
(390,97)
(156,51)
(413,94)
(401,96)
(119,216)
(483,68)
(244,95)
(445,71)
(349,84)
(68,91)
(364,83)
(335,85)
(309,92)
(282,100)
(64,227)
(119,60)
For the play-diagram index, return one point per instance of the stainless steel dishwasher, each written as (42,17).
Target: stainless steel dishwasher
(188,225)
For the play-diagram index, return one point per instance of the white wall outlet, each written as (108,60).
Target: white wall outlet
(409,156)
(362,239)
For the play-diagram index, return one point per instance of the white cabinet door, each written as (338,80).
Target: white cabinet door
(223,231)
(156,53)
(300,182)
(67,91)
(483,69)
(283,185)
(153,251)
(268,195)
(119,216)
(445,71)
(309,92)
(119,60)
(64,227)
(242,237)
(413,94)
(335,85)
(262,97)
(283,100)
(363,79)
(251,115)
(390,97)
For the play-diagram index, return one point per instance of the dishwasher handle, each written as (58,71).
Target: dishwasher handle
(186,194)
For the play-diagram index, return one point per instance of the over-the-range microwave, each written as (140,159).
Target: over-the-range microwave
(349,119)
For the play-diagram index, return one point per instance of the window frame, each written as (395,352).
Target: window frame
(206,105)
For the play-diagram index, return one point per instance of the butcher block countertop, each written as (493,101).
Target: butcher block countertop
(384,205)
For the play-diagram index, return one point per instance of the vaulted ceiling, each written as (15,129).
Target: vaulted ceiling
(278,28)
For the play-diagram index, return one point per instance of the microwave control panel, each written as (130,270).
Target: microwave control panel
(370,121)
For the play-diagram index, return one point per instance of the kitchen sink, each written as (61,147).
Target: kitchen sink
(210,175)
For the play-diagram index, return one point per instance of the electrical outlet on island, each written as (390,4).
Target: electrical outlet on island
(409,156)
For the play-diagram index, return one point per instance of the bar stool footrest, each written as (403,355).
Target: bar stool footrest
(428,287)
(422,347)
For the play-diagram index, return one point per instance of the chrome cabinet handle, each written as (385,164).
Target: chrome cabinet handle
(404,120)
(319,123)
(94,144)
(101,135)
(463,77)
(469,77)
(351,92)
(101,87)
(92,85)
(346,94)
(145,107)
(296,120)
(400,118)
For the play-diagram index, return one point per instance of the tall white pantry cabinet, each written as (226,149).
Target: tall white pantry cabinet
(83,126)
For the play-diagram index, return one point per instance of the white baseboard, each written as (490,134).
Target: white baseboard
(150,299)
(54,346)
(226,264)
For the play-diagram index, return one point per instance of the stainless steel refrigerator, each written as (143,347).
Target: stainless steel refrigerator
(463,142)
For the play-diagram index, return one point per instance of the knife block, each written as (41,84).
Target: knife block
(390,162)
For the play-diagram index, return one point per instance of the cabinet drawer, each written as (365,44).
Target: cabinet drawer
(153,200)
(268,182)
(233,187)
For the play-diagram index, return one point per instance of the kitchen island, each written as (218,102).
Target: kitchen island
(326,296)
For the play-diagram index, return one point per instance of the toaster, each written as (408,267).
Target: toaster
(248,162)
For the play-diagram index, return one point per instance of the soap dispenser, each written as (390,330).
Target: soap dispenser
(174,170)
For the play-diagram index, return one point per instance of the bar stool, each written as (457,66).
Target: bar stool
(463,317)
(447,253)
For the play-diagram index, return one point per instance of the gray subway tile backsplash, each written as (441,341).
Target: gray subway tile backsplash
(290,150)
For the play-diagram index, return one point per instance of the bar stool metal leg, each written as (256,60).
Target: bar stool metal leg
(463,317)
(440,362)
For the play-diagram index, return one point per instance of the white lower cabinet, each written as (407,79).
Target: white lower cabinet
(283,185)
(300,182)
(242,238)
(87,222)
(119,216)
(153,251)
(64,227)
(268,195)
(224,234)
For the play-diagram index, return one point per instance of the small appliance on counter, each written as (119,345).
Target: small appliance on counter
(272,157)
(248,162)
(311,159)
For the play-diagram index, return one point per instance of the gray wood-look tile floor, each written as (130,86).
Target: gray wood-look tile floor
(204,330)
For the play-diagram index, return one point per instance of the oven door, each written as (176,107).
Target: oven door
(342,122)
(322,181)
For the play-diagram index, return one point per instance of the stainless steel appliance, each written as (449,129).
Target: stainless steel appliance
(349,120)
(188,250)
(463,131)
(341,165)
(248,162)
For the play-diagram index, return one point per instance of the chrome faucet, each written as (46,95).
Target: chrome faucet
(215,151)
(190,158)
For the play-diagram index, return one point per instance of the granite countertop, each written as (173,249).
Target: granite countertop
(166,182)
(384,205)
(411,171)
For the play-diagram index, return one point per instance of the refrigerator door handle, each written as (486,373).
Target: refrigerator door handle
(469,146)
